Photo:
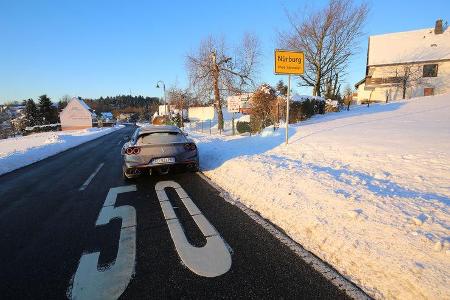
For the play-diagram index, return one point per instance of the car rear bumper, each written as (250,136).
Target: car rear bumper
(132,170)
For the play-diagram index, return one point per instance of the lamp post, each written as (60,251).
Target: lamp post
(164,91)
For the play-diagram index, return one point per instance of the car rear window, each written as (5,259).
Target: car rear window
(161,137)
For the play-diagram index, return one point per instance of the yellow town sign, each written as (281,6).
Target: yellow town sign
(289,62)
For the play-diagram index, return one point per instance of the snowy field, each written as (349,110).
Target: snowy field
(21,151)
(368,191)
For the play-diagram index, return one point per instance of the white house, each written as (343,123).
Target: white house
(76,115)
(124,117)
(411,64)
(107,116)
(201,113)
(165,109)
(206,113)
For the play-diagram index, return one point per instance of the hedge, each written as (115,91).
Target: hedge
(303,110)
(243,126)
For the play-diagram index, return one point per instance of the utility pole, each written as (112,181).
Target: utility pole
(164,91)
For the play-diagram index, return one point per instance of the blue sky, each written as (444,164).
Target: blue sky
(105,48)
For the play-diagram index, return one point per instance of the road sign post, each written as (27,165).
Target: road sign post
(232,123)
(289,63)
(287,108)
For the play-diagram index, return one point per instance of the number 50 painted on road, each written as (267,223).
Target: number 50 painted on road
(211,260)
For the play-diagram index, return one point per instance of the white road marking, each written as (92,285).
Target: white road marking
(181,193)
(86,183)
(162,196)
(113,192)
(190,206)
(204,226)
(211,260)
(160,186)
(91,283)
(167,209)
(329,273)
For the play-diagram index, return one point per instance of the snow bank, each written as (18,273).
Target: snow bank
(302,98)
(367,190)
(21,151)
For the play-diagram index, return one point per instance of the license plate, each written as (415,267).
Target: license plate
(164,160)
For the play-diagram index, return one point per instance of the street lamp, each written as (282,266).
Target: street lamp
(164,91)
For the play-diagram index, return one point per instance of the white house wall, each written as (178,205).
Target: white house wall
(165,109)
(201,113)
(440,84)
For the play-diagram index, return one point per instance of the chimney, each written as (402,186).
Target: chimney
(438,27)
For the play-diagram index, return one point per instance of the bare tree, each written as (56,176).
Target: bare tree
(63,101)
(281,88)
(180,98)
(213,71)
(328,37)
(348,96)
(65,98)
(407,76)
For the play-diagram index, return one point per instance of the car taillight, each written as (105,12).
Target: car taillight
(190,146)
(133,150)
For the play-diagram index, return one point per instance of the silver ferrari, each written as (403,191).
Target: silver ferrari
(158,148)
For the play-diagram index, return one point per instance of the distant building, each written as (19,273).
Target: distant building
(206,113)
(14,111)
(201,113)
(165,110)
(124,117)
(106,116)
(77,115)
(425,53)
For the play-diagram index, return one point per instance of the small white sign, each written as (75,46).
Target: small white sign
(234,103)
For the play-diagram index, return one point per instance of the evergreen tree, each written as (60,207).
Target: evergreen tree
(47,112)
(31,113)
(282,88)
(61,105)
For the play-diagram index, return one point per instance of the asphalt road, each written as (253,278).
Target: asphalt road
(48,223)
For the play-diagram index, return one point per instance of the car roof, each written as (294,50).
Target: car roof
(159,128)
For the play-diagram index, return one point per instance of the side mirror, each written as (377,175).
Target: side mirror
(126,138)
(186,134)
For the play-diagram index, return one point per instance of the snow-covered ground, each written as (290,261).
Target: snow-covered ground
(21,151)
(367,190)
